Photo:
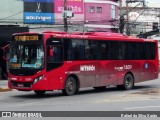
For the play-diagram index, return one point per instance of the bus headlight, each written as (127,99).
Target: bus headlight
(38,78)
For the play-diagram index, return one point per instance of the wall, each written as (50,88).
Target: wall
(143,18)
(39,12)
(11,11)
(103,19)
(75,5)
(99,17)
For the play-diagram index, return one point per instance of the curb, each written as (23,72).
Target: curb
(5,89)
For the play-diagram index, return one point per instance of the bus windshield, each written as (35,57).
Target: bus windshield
(26,56)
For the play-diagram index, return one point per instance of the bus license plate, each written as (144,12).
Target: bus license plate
(20,85)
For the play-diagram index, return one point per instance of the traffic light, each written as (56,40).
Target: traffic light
(121,24)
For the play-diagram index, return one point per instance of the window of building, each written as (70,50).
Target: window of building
(92,9)
(99,9)
(113,11)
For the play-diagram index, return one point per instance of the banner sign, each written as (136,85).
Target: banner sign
(39,7)
(51,1)
(39,12)
(75,5)
(41,18)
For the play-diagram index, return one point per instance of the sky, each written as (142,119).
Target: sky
(151,1)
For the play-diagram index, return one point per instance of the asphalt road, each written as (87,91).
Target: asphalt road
(144,97)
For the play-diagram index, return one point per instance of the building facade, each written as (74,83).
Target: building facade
(142,17)
(101,14)
(88,14)
(11,12)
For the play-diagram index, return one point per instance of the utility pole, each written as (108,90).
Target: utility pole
(120,7)
(121,18)
(127,22)
(159,22)
(127,13)
(65,16)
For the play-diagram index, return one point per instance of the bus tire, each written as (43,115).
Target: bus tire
(128,82)
(40,92)
(70,87)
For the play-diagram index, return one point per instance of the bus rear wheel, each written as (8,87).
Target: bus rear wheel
(70,87)
(40,92)
(128,82)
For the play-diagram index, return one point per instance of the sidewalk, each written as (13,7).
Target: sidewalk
(4,86)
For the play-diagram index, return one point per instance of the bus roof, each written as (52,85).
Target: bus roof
(96,35)
(106,34)
(90,35)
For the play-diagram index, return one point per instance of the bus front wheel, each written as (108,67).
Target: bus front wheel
(40,92)
(70,87)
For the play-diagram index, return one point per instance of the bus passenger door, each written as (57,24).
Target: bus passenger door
(54,61)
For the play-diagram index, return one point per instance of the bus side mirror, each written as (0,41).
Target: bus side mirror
(6,52)
(51,52)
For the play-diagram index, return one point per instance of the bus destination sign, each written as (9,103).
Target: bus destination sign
(26,38)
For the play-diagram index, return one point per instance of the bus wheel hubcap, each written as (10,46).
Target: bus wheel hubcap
(70,86)
(128,82)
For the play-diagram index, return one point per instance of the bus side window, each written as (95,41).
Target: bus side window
(74,49)
(153,51)
(51,51)
(50,54)
(142,52)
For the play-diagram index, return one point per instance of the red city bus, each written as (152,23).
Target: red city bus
(63,61)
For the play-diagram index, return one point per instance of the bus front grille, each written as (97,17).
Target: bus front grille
(22,84)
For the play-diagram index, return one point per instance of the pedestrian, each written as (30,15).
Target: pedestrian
(3,66)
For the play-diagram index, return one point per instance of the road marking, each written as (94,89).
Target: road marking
(142,107)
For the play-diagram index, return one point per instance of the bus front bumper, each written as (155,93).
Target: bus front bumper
(28,86)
